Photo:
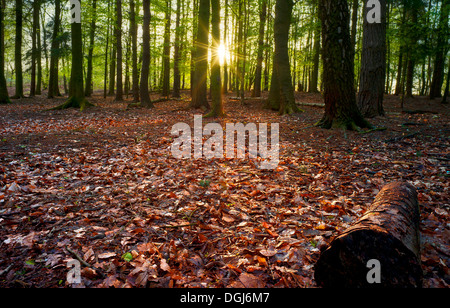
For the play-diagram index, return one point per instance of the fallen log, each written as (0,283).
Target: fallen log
(388,233)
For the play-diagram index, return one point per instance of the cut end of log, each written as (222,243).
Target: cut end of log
(387,233)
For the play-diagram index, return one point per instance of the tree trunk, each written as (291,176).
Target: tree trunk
(313,85)
(119,83)
(225,65)
(77,98)
(145,70)
(4,97)
(440,52)
(216,82)
(445,96)
(36,6)
(18,50)
(260,56)
(105,85)
(53,87)
(281,96)
(388,232)
(134,47)
(338,73)
(177,55)
(166,55)
(199,98)
(88,90)
(38,53)
(373,65)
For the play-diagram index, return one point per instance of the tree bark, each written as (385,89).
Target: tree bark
(260,56)
(388,232)
(281,96)
(373,65)
(77,98)
(134,47)
(53,87)
(88,90)
(338,73)
(177,55)
(34,53)
(441,50)
(445,96)
(199,98)
(119,83)
(216,81)
(18,50)
(4,97)
(166,55)
(145,70)
(313,85)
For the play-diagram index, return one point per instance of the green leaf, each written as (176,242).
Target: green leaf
(127,257)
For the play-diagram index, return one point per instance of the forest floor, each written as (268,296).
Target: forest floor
(102,186)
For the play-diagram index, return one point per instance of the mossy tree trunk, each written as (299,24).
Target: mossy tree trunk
(281,96)
(338,74)
(77,98)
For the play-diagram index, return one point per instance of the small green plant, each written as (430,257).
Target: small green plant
(127,257)
(205,183)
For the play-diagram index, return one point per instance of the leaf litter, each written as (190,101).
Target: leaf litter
(103,185)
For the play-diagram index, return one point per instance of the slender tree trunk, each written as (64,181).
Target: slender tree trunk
(18,50)
(225,64)
(145,70)
(53,87)
(34,53)
(105,86)
(338,75)
(119,83)
(260,56)
(4,97)
(216,82)
(373,65)
(39,53)
(134,47)
(313,86)
(281,96)
(199,98)
(177,55)
(88,90)
(166,55)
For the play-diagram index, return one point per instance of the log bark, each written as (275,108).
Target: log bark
(389,233)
